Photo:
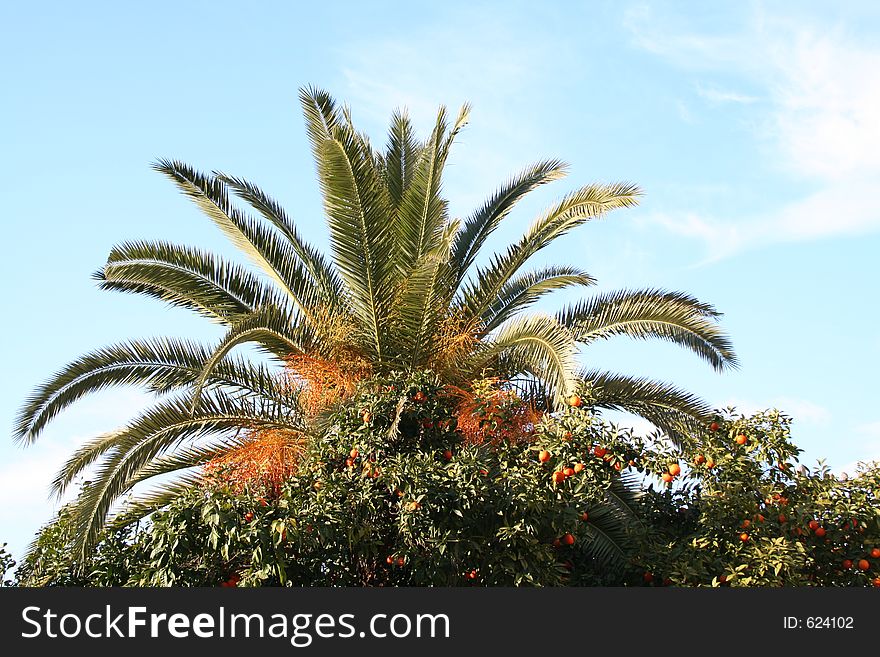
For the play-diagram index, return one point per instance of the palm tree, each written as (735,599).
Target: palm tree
(402,290)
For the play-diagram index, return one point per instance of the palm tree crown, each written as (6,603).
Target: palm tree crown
(401,290)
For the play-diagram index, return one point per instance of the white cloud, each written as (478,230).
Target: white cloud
(720,96)
(816,123)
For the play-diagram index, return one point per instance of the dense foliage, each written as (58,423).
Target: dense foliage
(415,483)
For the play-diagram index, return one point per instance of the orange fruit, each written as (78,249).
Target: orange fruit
(354,453)
(864,564)
(741,439)
(876,582)
(847,563)
(568,539)
(666,477)
(576,401)
(558,477)
(746,523)
(710,464)
(578,467)
(367,417)
(648,577)
(700,460)
(600,451)
(248,516)
(875,553)
(714,426)
(760,518)
(813,524)
(585,516)
(543,456)
(420,396)
(389,560)
(447,454)
(782,517)
(472,574)
(820,532)
(568,472)
(675,469)
(744,537)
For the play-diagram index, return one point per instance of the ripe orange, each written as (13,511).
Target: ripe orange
(875,553)
(263,501)
(578,467)
(744,537)
(722,579)
(389,560)
(248,516)
(648,577)
(820,532)
(700,460)
(600,451)
(349,462)
(447,454)
(847,563)
(558,477)
(568,472)
(472,574)
(710,464)
(876,582)
(354,453)
(782,517)
(864,564)
(741,440)
(576,401)
(666,477)
(760,518)
(813,524)
(420,396)
(674,469)
(414,506)
(585,516)
(568,539)
(544,456)
(746,523)
(400,561)
(714,426)
(367,417)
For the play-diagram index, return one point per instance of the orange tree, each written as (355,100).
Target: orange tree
(746,516)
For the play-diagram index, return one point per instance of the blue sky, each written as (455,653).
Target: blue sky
(752,129)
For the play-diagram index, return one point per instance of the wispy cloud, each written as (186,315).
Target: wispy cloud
(816,123)
(720,96)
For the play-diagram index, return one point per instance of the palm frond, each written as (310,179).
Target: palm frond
(361,236)
(187,277)
(587,203)
(315,263)
(669,408)
(644,314)
(535,344)
(167,425)
(261,243)
(401,155)
(525,289)
(482,223)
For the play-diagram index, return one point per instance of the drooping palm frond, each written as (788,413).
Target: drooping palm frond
(643,314)
(674,411)
(168,425)
(187,277)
